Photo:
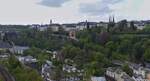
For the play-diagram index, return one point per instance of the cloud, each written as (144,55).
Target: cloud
(94,9)
(111,1)
(53,3)
(100,7)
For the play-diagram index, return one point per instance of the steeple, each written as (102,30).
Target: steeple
(51,21)
(113,19)
(109,18)
(111,23)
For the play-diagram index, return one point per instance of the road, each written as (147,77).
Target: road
(5,74)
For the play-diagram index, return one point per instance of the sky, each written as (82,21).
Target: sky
(71,11)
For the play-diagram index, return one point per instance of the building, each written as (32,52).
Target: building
(117,74)
(111,72)
(19,49)
(55,27)
(27,59)
(98,79)
(140,24)
(140,73)
(69,27)
(82,25)
(47,71)
(102,24)
(39,27)
(43,27)
(4,46)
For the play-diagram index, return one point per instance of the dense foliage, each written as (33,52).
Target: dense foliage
(21,72)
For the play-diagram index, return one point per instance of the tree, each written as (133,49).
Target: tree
(147,54)
(146,29)
(128,70)
(110,46)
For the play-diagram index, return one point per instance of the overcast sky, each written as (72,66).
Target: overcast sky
(67,11)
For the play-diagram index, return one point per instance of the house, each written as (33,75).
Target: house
(19,49)
(98,79)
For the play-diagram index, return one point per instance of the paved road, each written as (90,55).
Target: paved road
(5,74)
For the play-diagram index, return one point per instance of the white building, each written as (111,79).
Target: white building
(69,27)
(55,27)
(81,26)
(27,59)
(98,79)
(19,49)
(102,24)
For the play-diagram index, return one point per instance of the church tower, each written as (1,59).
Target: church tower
(51,22)
(111,23)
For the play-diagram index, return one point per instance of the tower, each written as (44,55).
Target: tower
(87,24)
(111,23)
(51,22)
(111,19)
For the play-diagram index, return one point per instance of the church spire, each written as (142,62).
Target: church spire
(113,19)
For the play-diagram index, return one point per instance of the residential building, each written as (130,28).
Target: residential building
(47,71)
(117,74)
(111,72)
